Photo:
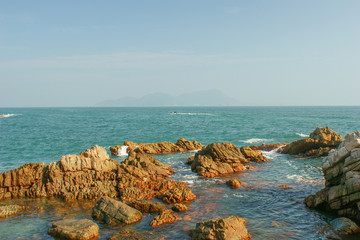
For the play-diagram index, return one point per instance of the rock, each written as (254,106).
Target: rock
(182,145)
(8,210)
(148,206)
(233,183)
(253,155)
(344,226)
(164,217)
(284,186)
(190,160)
(179,207)
(133,235)
(232,227)
(319,142)
(178,194)
(342,180)
(90,175)
(111,211)
(218,158)
(269,147)
(74,229)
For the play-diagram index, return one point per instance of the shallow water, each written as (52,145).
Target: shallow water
(43,135)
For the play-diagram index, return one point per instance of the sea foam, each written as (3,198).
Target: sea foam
(302,135)
(256,140)
(123,151)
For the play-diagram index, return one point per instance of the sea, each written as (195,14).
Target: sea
(45,134)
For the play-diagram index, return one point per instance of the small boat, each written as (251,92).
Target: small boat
(174,112)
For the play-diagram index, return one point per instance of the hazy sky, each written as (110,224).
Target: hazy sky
(279,52)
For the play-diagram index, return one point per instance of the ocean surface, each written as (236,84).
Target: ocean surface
(45,134)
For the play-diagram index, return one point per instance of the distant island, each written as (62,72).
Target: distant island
(200,98)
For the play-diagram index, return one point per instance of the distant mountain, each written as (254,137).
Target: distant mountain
(202,98)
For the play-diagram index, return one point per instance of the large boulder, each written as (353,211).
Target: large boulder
(232,227)
(344,226)
(111,211)
(74,229)
(253,155)
(90,175)
(320,141)
(218,158)
(180,193)
(182,145)
(148,206)
(342,180)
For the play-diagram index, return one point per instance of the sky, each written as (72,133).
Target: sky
(259,52)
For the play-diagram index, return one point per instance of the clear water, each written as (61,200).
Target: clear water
(44,134)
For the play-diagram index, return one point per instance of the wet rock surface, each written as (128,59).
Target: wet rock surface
(179,207)
(344,226)
(232,227)
(269,147)
(134,235)
(111,211)
(74,229)
(218,158)
(148,206)
(342,182)
(233,183)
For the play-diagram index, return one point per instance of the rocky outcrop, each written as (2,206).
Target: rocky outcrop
(179,207)
(74,229)
(253,155)
(8,210)
(342,180)
(344,226)
(178,194)
(111,211)
(218,158)
(320,141)
(182,145)
(148,206)
(90,175)
(269,147)
(164,217)
(233,183)
(232,227)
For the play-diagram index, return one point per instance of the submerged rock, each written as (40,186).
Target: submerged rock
(182,145)
(179,207)
(342,182)
(90,175)
(148,206)
(218,158)
(8,210)
(164,217)
(133,235)
(74,229)
(111,211)
(253,155)
(232,227)
(233,183)
(344,226)
(269,147)
(320,141)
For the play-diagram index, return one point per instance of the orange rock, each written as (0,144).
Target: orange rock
(164,217)
(233,183)
(179,207)
(253,155)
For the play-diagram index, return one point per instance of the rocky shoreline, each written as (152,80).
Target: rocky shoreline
(125,191)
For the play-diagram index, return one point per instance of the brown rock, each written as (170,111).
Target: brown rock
(190,160)
(186,145)
(74,229)
(319,138)
(253,155)
(269,147)
(110,211)
(223,228)
(164,217)
(233,183)
(8,210)
(284,186)
(178,194)
(148,206)
(179,207)
(218,158)
(133,235)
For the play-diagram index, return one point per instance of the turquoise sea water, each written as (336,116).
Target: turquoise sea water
(44,134)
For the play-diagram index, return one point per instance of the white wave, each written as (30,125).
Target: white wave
(302,135)
(238,195)
(195,151)
(9,115)
(303,179)
(256,140)
(123,151)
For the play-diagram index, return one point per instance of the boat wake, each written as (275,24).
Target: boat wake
(8,115)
